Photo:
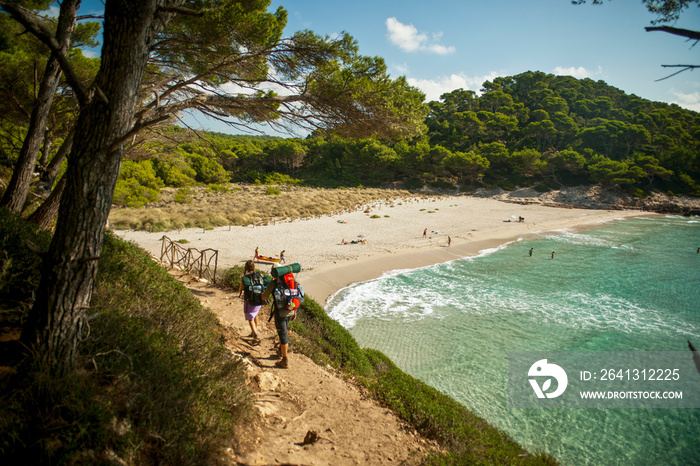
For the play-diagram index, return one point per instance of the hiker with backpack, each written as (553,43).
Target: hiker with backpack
(287,296)
(252,286)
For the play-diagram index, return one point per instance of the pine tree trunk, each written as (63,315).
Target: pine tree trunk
(56,320)
(51,171)
(47,211)
(18,188)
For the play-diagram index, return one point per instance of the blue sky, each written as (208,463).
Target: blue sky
(442,45)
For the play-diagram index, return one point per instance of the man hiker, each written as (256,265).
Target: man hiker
(284,310)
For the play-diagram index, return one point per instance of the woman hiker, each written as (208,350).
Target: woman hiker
(249,309)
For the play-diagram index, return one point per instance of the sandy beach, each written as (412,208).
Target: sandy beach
(393,234)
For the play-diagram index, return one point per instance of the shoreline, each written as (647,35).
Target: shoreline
(330,278)
(393,232)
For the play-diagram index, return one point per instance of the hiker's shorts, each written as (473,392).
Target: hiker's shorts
(282,326)
(250,310)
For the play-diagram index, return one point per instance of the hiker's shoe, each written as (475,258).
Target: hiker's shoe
(254,336)
(282,363)
(277,354)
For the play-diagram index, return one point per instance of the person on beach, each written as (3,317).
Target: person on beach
(256,252)
(425,233)
(282,257)
(552,254)
(449,241)
(531,251)
(281,324)
(250,310)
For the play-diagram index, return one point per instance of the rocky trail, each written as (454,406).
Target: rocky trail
(306,414)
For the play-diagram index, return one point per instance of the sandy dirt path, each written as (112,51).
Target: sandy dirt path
(289,403)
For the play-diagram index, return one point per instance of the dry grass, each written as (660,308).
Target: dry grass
(246,205)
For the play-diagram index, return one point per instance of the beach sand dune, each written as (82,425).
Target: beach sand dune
(393,233)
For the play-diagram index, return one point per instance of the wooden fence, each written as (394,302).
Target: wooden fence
(191,260)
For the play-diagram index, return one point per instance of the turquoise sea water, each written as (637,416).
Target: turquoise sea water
(625,286)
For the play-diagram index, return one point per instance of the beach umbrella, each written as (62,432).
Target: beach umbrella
(513,216)
(360,236)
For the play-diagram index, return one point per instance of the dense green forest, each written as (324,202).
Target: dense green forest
(533,129)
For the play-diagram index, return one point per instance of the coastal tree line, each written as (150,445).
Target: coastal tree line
(533,129)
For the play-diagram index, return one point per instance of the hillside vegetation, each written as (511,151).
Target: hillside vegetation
(530,130)
(154,383)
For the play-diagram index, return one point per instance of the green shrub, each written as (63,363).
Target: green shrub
(637,192)
(442,184)
(279,178)
(207,170)
(273,191)
(137,185)
(326,341)
(413,183)
(689,184)
(218,188)
(184,195)
(230,278)
(174,172)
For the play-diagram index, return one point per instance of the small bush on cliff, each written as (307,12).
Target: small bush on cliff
(327,342)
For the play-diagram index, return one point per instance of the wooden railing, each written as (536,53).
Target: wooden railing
(191,260)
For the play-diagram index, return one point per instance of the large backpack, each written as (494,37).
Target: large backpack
(253,286)
(288,293)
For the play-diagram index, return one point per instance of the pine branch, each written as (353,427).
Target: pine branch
(685,68)
(675,31)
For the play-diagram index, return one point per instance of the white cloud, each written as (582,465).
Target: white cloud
(52,12)
(407,38)
(690,101)
(401,69)
(577,72)
(434,88)
(91,53)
